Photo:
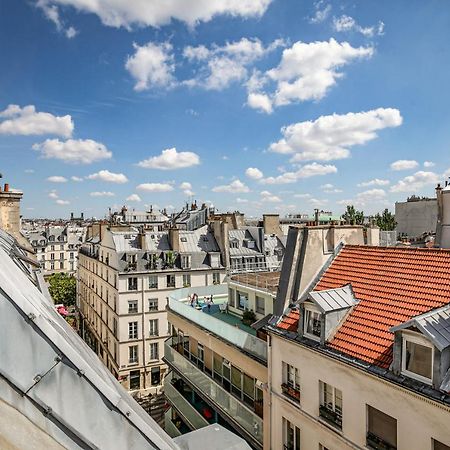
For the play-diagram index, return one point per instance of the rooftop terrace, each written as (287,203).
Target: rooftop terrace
(267,281)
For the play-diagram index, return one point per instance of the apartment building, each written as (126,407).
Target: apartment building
(360,359)
(56,247)
(125,275)
(218,371)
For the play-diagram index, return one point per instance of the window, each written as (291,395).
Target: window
(135,380)
(439,445)
(216,278)
(133,354)
(52,266)
(153,282)
(291,382)
(132,284)
(153,304)
(71,255)
(291,436)
(52,248)
(61,265)
(313,324)
(154,350)
(132,307)
(153,327)
(132,330)
(260,307)
(331,404)
(185,261)
(186,280)
(171,281)
(61,256)
(243,300)
(381,430)
(155,376)
(417,358)
(52,256)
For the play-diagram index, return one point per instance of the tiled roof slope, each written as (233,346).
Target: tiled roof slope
(393,285)
(289,321)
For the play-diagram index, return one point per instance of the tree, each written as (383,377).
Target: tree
(352,216)
(63,288)
(385,221)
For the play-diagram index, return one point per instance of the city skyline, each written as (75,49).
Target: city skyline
(263,106)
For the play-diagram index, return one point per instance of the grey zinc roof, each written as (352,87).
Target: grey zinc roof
(334,299)
(200,240)
(435,325)
(240,235)
(157,241)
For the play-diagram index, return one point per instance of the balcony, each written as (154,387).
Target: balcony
(377,443)
(334,418)
(228,405)
(291,392)
(193,418)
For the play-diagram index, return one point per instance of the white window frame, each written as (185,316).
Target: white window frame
(130,302)
(152,346)
(420,340)
(133,330)
(310,309)
(150,285)
(291,376)
(287,424)
(185,261)
(153,327)
(157,304)
(135,359)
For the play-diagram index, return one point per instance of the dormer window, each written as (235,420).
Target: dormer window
(313,323)
(417,358)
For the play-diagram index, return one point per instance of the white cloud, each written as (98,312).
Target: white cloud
(222,65)
(321,13)
(306,171)
(428,164)
(77,179)
(133,198)
(57,179)
(62,202)
(261,102)
(185,185)
(170,159)
(27,121)
(52,14)
(29,170)
(374,182)
(155,13)
(110,177)
(254,173)
(102,194)
(73,151)
(152,66)
(370,196)
(53,194)
(416,182)
(234,187)
(329,137)
(241,200)
(308,70)
(346,23)
(155,187)
(404,164)
(267,196)
(302,195)
(330,189)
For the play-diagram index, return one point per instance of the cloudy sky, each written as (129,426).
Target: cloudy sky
(258,105)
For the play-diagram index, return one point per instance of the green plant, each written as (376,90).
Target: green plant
(170,259)
(248,317)
(385,221)
(63,288)
(352,216)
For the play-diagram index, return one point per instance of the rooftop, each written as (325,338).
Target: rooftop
(393,285)
(264,280)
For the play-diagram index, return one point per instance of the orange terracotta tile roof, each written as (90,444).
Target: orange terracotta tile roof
(393,285)
(289,322)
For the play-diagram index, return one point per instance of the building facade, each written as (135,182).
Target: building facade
(361,358)
(125,275)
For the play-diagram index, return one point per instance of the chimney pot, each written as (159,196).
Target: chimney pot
(6,187)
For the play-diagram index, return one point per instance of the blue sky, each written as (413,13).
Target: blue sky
(258,105)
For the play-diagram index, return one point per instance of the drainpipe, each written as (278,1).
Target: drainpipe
(143,331)
(269,385)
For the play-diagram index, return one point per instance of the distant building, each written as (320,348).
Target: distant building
(56,247)
(416,216)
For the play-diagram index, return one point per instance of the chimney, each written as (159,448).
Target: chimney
(82,216)
(71,216)
(316,217)
(174,239)
(141,238)
(6,187)
(271,224)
